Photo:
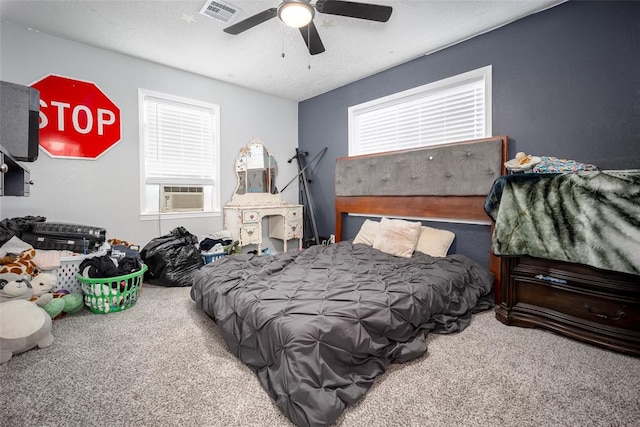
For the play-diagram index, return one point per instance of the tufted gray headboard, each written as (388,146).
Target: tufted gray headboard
(445,182)
(459,169)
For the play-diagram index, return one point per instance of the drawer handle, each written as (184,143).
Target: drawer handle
(551,279)
(249,232)
(620,314)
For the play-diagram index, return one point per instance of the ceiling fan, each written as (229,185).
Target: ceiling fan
(300,13)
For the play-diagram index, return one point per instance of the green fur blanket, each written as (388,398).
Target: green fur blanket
(590,218)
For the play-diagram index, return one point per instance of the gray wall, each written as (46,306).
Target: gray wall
(566,83)
(105,192)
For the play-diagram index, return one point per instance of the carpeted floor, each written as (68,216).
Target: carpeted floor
(163,363)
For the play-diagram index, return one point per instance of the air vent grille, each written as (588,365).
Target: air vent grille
(219,10)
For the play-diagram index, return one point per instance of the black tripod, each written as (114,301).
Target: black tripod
(310,224)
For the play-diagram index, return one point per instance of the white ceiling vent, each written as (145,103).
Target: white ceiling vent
(220,11)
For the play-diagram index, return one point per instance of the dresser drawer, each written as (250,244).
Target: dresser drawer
(573,300)
(575,275)
(596,306)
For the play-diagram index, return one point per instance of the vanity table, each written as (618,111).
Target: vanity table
(256,197)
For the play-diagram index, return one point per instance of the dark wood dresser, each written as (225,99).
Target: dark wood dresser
(597,306)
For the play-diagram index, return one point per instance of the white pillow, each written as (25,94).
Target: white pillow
(434,242)
(368,232)
(397,237)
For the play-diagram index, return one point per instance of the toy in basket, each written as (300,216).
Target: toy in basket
(112,294)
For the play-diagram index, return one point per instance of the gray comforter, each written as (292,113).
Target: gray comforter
(318,325)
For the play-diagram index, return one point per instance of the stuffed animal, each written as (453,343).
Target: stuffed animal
(43,295)
(15,289)
(23,326)
(54,303)
(43,283)
(22,289)
(7,259)
(40,291)
(23,265)
(62,304)
(118,242)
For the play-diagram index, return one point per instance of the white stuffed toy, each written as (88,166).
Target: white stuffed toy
(42,285)
(23,326)
(15,288)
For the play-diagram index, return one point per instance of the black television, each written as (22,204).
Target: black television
(19,121)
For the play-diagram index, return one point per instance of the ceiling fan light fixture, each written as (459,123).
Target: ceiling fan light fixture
(296,13)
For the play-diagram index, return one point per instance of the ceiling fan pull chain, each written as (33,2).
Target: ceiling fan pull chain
(309,46)
(282,32)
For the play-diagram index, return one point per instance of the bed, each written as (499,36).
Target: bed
(318,325)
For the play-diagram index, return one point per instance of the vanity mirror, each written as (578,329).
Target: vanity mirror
(256,170)
(257,197)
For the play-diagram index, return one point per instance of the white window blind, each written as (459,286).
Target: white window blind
(450,110)
(179,142)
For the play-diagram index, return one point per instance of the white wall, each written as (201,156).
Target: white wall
(105,192)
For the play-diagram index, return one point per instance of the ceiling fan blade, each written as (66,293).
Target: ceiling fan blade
(312,38)
(371,12)
(251,21)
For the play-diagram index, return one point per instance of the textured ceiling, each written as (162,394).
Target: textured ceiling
(174,33)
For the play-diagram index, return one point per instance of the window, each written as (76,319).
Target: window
(179,155)
(454,109)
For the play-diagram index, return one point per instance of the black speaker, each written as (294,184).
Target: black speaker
(19,121)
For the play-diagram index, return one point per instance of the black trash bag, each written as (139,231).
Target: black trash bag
(172,259)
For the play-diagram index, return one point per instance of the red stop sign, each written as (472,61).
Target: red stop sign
(76,118)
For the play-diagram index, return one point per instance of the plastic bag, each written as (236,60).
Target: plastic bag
(172,259)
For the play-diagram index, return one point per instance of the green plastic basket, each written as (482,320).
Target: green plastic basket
(112,294)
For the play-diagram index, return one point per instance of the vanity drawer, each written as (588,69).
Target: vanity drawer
(249,234)
(294,230)
(250,216)
(294,214)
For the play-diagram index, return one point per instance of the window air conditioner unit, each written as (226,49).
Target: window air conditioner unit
(182,199)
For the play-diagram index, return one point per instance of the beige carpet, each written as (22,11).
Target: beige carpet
(163,363)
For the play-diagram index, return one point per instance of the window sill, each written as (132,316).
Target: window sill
(178,215)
